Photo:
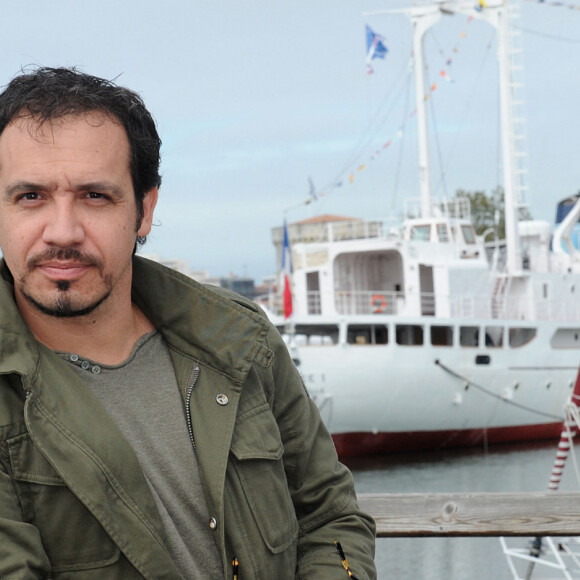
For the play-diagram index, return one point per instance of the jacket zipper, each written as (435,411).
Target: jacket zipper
(193,380)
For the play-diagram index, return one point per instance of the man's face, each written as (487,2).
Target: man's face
(68,217)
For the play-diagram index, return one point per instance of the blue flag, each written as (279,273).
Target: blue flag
(375,46)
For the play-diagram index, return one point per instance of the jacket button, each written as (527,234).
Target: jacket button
(212,523)
(222,399)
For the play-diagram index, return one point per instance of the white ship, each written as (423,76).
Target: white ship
(423,336)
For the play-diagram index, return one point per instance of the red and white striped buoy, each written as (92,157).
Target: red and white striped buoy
(570,429)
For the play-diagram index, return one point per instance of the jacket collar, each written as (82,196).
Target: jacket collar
(214,327)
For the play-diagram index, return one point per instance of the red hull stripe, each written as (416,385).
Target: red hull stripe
(361,443)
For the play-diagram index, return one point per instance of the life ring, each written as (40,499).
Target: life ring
(379,303)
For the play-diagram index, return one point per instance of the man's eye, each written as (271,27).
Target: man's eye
(96,195)
(28,196)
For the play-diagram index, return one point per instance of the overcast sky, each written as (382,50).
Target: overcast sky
(253,98)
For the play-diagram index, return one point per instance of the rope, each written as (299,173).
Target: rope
(371,130)
(466,110)
(491,394)
(550,36)
(438,144)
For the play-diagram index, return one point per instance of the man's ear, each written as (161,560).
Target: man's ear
(149,203)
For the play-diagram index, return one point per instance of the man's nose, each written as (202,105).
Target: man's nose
(63,227)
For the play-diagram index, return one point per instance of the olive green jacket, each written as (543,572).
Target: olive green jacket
(74,503)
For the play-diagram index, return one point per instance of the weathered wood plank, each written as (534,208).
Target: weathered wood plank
(474,514)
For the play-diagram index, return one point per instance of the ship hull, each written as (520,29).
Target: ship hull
(382,398)
(361,443)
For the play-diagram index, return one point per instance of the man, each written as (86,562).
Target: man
(150,427)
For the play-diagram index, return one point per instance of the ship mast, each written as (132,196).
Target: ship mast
(495,12)
(422,19)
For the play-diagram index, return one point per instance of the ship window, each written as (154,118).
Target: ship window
(494,336)
(442,335)
(469,335)
(367,334)
(314,334)
(442,233)
(409,334)
(421,233)
(521,336)
(566,338)
(468,234)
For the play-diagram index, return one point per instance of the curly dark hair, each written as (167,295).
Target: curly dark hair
(45,93)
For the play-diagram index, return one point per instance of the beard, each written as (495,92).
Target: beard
(66,303)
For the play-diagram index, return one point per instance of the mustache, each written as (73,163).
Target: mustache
(64,255)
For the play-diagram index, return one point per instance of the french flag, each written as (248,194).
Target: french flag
(287,273)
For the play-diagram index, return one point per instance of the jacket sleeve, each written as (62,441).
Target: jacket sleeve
(22,555)
(322,488)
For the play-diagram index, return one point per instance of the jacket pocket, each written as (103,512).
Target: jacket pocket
(72,538)
(258,452)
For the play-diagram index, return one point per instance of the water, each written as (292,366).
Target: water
(504,468)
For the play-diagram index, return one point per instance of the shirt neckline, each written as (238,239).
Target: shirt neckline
(95,367)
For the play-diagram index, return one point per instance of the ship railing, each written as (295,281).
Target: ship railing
(525,309)
(514,308)
(428,304)
(363,302)
(456,208)
(367,302)
(389,302)
(558,310)
(330,231)
(314,302)
(354,230)
(469,306)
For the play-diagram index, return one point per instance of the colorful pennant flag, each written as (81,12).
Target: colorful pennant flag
(445,76)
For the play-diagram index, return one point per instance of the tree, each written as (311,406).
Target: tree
(488,211)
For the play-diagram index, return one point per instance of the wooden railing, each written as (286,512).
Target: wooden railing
(474,514)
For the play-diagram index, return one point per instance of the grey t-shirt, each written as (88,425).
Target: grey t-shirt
(142,396)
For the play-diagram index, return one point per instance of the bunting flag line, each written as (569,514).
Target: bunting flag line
(445,76)
(286,273)
(375,47)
